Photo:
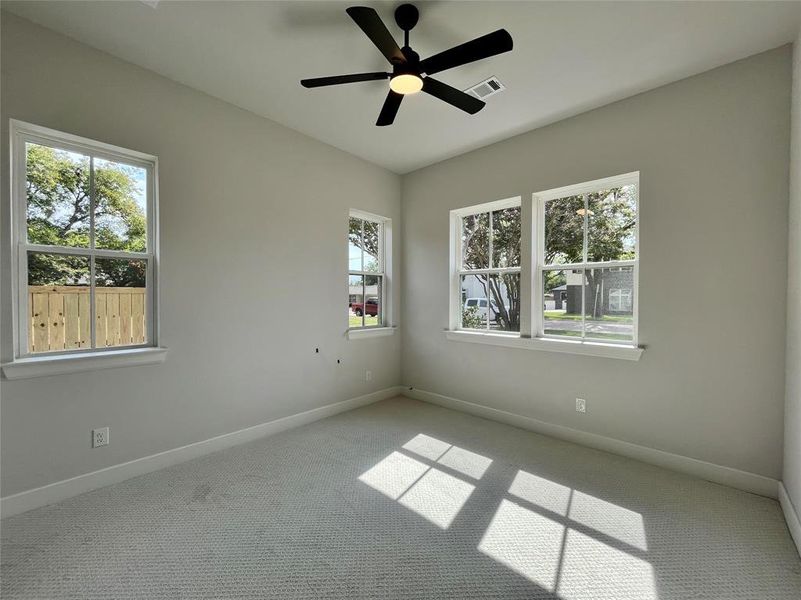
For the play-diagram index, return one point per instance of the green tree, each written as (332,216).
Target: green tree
(611,221)
(365,236)
(58,188)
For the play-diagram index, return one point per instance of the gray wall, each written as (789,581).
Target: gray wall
(713,154)
(253,267)
(792,423)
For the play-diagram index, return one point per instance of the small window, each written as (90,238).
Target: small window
(366,271)
(620,300)
(587,268)
(85,241)
(488,272)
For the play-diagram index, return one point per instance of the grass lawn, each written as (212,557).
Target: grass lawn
(354,321)
(558,314)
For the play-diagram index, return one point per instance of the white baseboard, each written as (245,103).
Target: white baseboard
(790,515)
(60,490)
(743,480)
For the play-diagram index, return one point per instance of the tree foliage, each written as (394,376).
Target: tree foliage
(365,235)
(611,220)
(58,188)
(610,227)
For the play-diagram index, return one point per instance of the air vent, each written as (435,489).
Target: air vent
(485,89)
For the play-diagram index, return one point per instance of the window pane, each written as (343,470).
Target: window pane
(59,314)
(371,241)
(611,224)
(120,302)
(356,301)
(57,189)
(609,304)
(372,303)
(561,303)
(120,206)
(504,302)
(506,238)
(564,230)
(475,241)
(620,300)
(355,244)
(475,313)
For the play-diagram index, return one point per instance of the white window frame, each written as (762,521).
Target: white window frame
(532,253)
(384,265)
(28,364)
(457,270)
(583,189)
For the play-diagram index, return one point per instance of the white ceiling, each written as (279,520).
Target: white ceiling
(569,57)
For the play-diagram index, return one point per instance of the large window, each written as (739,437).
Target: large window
(366,270)
(561,266)
(488,276)
(85,243)
(587,268)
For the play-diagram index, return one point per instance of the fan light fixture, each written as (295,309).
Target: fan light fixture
(406,84)
(407,76)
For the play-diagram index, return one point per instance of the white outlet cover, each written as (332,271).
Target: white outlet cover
(581,405)
(100,437)
(368,375)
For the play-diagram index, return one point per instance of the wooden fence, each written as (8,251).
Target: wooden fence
(59,317)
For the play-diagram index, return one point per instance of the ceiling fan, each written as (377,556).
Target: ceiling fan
(410,74)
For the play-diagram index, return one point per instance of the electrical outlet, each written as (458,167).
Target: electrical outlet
(368,375)
(581,405)
(99,437)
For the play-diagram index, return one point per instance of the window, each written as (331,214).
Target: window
(560,268)
(587,269)
(620,300)
(85,244)
(487,277)
(366,270)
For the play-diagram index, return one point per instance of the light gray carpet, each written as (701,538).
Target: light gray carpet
(402,499)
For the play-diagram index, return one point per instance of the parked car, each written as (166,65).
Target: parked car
(370,307)
(480,304)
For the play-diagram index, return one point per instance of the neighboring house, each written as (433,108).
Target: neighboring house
(560,297)
(614,292)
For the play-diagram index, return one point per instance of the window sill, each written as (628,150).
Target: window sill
(62,364)
(370,332)
(548,345)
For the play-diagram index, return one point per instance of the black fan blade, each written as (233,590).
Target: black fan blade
(390,109)
(337,79)
(488,45)
(372,25)
(452,96)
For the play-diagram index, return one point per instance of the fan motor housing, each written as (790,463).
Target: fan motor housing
(412,61)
